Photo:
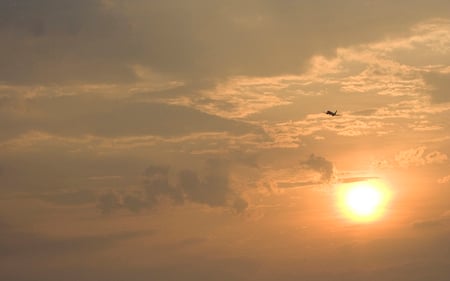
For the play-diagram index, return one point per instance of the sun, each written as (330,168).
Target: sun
(363,201)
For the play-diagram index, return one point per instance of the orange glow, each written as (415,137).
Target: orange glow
(363,201)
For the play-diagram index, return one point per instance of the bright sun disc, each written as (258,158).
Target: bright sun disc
(363,201)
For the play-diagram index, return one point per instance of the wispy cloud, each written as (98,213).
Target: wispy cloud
(197,143)
(240,97)
(369,70)
(444,179)
(418,157)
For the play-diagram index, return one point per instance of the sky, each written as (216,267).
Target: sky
(187,140)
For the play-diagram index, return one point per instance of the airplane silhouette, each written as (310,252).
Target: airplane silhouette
(331,113)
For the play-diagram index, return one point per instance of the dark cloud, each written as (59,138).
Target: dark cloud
(321,165)
(239,204)
(156,185)
(355,179)
(97,41)
(63,41)
(297,184)
(109,202)
(262,37)
(440,86)
(134,203)
(210,187)
(82,115)
(326,176)
(213,189)
(49,16)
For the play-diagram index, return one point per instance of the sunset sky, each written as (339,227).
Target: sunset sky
(187,140)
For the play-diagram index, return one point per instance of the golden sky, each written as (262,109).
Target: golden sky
(188,140)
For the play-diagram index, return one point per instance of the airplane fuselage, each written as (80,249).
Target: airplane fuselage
(331,113)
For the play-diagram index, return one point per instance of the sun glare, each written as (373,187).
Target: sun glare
(363,201)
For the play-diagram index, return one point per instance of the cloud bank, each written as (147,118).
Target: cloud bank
(211,188)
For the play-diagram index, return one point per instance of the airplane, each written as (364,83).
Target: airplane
(332,113)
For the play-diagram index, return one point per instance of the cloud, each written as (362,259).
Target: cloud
(239,204)
(439,86)
(114,118)
(367,71)
(212,188)
(64,27)
(418,157)
(355,179)
(108,202)
(321,165)
(291,133)
(232,104)
(104,178)
(156,185)
(95,40)
(134,203)
(435,157)
(301,184)
(444,179)
(424,125)
(241,96)
(195,143)
(100,163)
